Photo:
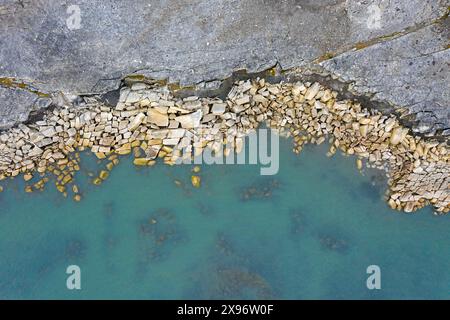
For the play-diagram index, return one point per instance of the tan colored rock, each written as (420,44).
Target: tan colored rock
(190,121)
(312,91)
(298,88)
(171,142)
(396,136)
(363,129)
(176,133)
(140,162)
(359,164)
(158,118)
(104,175)
(196,181)
(36,151)
(137,121)
(244,100)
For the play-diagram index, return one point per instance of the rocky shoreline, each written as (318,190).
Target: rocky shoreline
(151,122)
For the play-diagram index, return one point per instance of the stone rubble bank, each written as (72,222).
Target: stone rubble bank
(150,122)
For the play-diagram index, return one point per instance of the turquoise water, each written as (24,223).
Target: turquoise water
(308,232)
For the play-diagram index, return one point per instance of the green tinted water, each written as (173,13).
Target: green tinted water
(308,232)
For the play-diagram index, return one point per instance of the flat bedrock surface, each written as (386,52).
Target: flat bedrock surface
(402,56)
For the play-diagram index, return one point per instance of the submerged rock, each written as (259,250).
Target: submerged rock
(159,234)
(196,181)
(260,190)
(333,244)
(75,249)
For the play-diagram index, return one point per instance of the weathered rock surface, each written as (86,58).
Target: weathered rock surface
(195,42)
(412,71)
(16,104)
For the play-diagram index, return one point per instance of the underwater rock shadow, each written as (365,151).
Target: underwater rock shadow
(229,274)
(333,241)
(158,236)
(263,189)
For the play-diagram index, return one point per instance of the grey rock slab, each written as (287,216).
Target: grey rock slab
(16,105)
(411,71)
(191,41)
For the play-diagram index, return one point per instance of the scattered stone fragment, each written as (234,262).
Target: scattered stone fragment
(190,121)
(137,121)
(140,162)
(359,164)
(110,165)
(397,135)
(104,175)
(312,91)
(196,181)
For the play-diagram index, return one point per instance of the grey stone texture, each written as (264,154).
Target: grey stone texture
(411,71)
(196,41)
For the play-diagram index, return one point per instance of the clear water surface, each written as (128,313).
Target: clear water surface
(308,232)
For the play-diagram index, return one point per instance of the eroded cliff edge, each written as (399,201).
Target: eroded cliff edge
(395,52)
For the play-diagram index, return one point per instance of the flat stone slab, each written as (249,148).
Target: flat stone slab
(88,48)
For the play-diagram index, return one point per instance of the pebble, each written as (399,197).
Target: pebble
(103,175)
(196,181)
(396,136)
(359,164)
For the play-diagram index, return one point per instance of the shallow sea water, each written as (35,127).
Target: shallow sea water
(308,232)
